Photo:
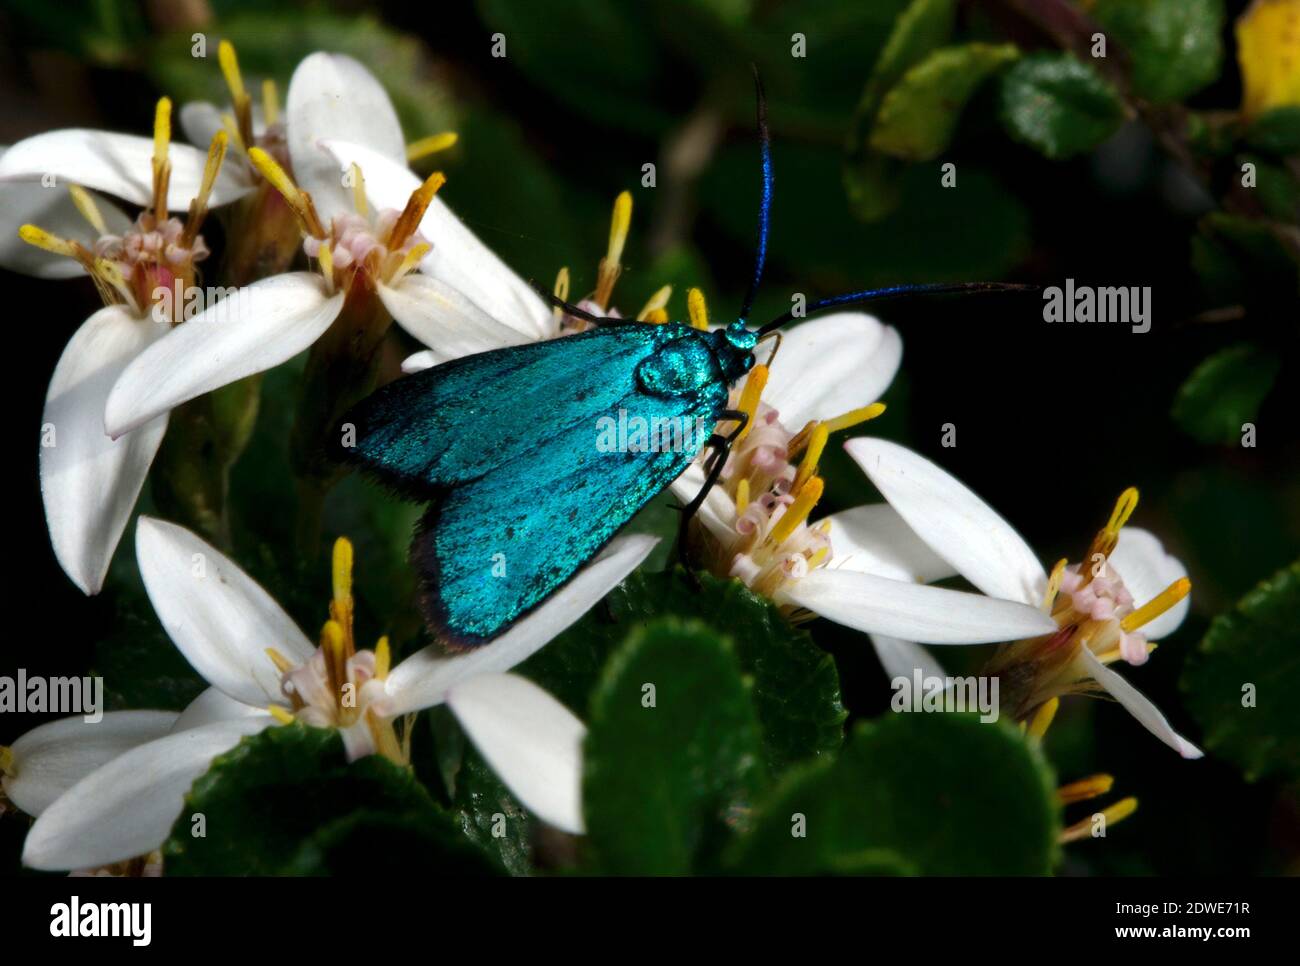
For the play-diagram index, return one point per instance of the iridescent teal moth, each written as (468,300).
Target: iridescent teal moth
(517,505)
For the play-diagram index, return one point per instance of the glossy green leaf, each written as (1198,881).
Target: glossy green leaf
(1059,105)
(1224,392)
(1175,46)
(1242,682)
(1276,132)
(943,793)
(672,753)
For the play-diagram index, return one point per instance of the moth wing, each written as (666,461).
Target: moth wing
(492,549)
(458,420)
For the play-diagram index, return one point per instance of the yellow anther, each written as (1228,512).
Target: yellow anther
(742,496)
(383,658)
(656,303)
(89,210)
(1109,816)
(1043,717)
(698,309)
(42,239)
(231,127)
(824,528)
(270,102)
(282,663)
(431,145)
(280,714)
(656,317)
(818,558)
(1124,507)
(211,168)
(358,189)
(1084,789)
(808,465)
(1054,585)
(162,132)
(1157,605)
(561,288)
(230,70)
(342,571)
(611,266)
(750,395)
(411,259)
(853,417)
(296,199)
(6,760)
(409,220)
(797,512)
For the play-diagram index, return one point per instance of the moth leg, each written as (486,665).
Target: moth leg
(556,302)
(720,449)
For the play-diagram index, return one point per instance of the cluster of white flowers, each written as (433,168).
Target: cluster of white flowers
(337,159)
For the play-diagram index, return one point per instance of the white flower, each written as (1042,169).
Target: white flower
(263,669)
(1093,618)
(863,567)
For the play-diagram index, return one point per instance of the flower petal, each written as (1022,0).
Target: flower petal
(1147,569)
(200,120)
(419,361)
(89,483)
(215,614)
(458,258)
(213,705)
(913,612)
(52,758)
(1138,705)
(251,330)
(717,512)
(332,96)
(959,526)
(424,678)
(29,203)
(532,742)
(126,808)
(120,165)
(874,539)
(900,658)
(831,365)
(439,315)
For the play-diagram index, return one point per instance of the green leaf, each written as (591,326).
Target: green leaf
(918,116)
(287,802)
(943,793)
(1059,105)
(1276,132)
(796,688)
(1257,643)
(1277,189)
(1224,392)
(1175,46)
(672,751)
(919,30)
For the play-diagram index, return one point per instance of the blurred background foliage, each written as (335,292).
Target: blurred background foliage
(1124,169)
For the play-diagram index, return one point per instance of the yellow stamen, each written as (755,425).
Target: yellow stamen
(699,311)
(162,132)
(230,70)
(295,198)
(853,417)
(51,243)
(1124,507)
(6,760)
(1087,788)
(358,189)
(797,512)
(89,210)
(749,397)
(431,145)
(270,102)
(325,255)
(611,265)
(342,571)
(1054,585)
(282,663)
(1157,605)
(818,558)
(656,303)
(280,714)
(808,466)
(411,215)
(742,496)
(656,317)
(411,259)
(383,658)
(1043,717)
(211,168)
(109,274)
(231,127)
(1114,813)
(333,642)
(561,289)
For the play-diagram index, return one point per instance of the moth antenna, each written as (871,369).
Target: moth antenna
(896,291)
(765,200)
(559,303)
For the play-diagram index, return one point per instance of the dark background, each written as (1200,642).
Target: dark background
(1052,421)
